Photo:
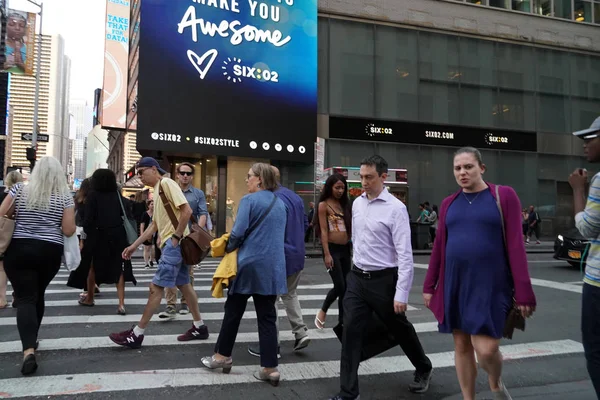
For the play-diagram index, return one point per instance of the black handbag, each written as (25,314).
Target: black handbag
(377,338)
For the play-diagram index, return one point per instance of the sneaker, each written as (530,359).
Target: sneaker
(301,343)
(183,309)
(421,382)
(151,264)
(538,242)
(147,266)
(255,351)
(194,334)
(169,314)
(127,338)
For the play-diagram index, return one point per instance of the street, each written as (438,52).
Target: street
(77,360)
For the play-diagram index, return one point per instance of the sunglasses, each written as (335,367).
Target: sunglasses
(186,173)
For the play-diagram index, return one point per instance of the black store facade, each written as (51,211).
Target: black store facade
(412,95)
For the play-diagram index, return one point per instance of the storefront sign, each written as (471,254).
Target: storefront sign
(430,134)
(229,77)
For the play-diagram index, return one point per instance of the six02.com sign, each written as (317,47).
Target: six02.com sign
(229,77)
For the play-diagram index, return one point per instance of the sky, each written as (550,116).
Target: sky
(81,24)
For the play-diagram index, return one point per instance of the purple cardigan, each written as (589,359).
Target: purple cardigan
(511,209)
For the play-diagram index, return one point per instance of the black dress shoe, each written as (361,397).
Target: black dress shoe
(29,365)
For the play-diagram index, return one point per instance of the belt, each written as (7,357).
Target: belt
(374,274)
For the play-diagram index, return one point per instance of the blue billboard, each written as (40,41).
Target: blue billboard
(228,77)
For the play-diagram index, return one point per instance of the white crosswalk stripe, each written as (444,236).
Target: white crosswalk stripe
(69,328)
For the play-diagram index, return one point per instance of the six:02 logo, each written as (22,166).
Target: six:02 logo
(235,71)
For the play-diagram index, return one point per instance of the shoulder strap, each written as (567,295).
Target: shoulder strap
(501,213)
(262,217)
(167,205)
(121,202)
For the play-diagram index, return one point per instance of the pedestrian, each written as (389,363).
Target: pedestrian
(197,201)
(295,254)
(311,215)
(80,198)
(259,236)
(533,222)
(102,262)
(148,244)
(432,218)
(423,214)
(587,217)
(11,179)
(380,279)
(470,289)
(171,270)
(334,221)
(44,212)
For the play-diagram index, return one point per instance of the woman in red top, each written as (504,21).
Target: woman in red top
(470,288)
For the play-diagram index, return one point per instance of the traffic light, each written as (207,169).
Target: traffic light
(31,155)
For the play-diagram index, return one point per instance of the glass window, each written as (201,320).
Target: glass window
(480,2)
(515,67)
(351,74)
(516,110)
(594,79)
(553,114)
(597,12)
(477,106)
(477,62)
(583,11)
(580,74)
(584,113)
(436,177)
(553,71)
(562,9)
(323,65)
(521,5)
(438,57)
(396,80)
(515,172)
(542,7)
(237,172)
(501,4)
(439,102)
(345,153)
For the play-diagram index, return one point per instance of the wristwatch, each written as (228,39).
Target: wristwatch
(176,237)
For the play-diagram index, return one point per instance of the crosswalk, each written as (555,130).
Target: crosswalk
(71,332)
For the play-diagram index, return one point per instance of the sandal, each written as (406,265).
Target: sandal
(318,323)
(82,303)
(121,310)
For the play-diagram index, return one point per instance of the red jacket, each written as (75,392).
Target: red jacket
(511,209)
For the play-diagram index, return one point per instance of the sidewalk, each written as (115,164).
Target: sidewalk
(546,247)
(582,390)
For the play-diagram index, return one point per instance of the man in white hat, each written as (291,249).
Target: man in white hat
(587,221)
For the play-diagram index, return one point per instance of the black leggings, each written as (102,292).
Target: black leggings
(31,264)
(342,262)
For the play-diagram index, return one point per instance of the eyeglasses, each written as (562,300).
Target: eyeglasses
(140,171)
(186,173)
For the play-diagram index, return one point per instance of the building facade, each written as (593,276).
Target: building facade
(83,120)
(413,81)
(53,114)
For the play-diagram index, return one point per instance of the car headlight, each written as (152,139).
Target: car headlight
(560,237)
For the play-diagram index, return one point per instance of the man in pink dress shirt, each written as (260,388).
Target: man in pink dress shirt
(381,278)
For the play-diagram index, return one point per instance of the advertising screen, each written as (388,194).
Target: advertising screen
(20,42)
(431,134)
(229,77)
(116,57)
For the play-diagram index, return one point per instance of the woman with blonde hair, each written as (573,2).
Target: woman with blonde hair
(44,212)
(11,179)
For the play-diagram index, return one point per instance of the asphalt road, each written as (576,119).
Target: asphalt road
(78,361)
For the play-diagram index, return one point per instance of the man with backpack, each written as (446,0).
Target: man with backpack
(534,225)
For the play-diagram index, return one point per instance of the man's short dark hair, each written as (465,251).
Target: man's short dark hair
(187,164)
(381,166)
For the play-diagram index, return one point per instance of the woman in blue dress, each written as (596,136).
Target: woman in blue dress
(258,233)
(476,270)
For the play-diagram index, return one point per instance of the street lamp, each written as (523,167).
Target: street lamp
(36,103)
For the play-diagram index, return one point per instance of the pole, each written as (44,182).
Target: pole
(36,104)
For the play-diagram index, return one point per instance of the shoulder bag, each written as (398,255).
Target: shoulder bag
(7,225)
(195,246)
(515,319)
(128,224)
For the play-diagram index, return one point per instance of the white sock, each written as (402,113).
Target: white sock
(198,324)
(137,331)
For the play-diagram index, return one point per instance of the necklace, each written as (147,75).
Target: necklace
(474,198)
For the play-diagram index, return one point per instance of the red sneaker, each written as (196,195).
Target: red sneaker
(194,334)
(127,339)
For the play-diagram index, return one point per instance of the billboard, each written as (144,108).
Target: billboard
(116,55)
(20,42)
(229,78)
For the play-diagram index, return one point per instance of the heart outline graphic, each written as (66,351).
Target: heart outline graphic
(197,61)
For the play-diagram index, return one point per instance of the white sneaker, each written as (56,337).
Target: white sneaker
(169,314)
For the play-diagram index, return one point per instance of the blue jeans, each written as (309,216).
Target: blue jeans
(590,332)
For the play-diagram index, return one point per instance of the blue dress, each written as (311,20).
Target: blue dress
(478,287)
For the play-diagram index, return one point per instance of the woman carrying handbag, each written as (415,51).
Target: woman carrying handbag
(470,288)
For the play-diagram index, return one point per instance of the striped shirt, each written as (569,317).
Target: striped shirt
(588,224)
(43,225)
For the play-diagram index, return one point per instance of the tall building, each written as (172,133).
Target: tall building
(53,114)
(83,120)
(97,150)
